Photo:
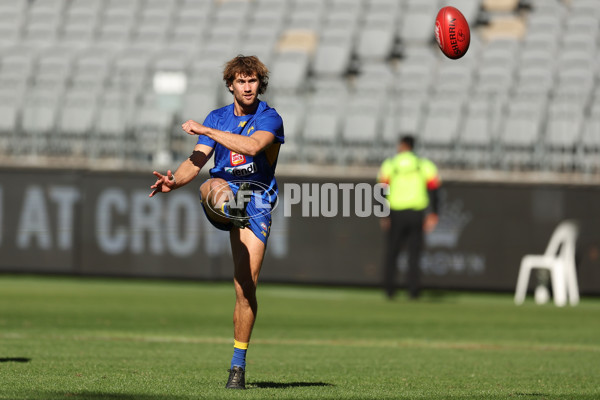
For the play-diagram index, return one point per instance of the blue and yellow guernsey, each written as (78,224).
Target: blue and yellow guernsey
(234,167)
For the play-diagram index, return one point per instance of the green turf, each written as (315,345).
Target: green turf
(67,338)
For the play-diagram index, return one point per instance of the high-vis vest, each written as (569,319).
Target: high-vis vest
(408,177)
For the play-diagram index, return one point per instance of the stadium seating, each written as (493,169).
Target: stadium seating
(75,122)
(517,96)
(292,110)
(403,114)
(360,128)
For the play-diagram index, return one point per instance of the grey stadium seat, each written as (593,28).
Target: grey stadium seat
(333,56)
(482,121)
(417,26)
(590,138)
(361,123)
(292,110)
(322,125)
(77,114)
(75,121)
(9,119)
(376,41)
(322,122)
(12,17)
(494,80)
(130,70)
(453,77)
(197,105)
(360,129)
(523,122)
(441,127)
(403,113)
(151,28)
(39,119)
(564,124)
(413,76)
(113,122)
(289,70)
(54,67)
(151,129)
(79,28)
(535,80)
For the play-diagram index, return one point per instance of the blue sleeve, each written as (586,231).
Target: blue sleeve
(210,122)
(270,121)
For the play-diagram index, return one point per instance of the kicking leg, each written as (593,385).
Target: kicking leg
(222,206)
(213,194)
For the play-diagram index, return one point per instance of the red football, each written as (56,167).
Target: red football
(452,32)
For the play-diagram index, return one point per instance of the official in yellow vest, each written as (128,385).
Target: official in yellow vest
(413,184)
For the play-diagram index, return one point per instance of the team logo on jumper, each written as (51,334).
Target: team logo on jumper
(250,130)
(265,229)
(242,170)
(237,159)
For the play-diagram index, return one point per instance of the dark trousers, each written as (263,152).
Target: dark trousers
(406,228)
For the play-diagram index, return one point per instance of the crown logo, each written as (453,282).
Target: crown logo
(453,220)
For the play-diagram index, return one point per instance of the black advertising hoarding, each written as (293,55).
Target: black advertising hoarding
(39,214)
(324,231)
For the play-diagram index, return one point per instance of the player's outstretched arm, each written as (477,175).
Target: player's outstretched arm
(246,145)
(185,173)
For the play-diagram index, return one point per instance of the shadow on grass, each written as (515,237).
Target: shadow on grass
(285,385)
(15,359)
(105,396)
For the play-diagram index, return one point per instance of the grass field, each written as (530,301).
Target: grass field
(68,338)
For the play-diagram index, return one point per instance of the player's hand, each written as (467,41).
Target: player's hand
(431,221)
(192,127)
(163,184)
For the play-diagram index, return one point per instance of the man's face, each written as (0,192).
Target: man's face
(245,89)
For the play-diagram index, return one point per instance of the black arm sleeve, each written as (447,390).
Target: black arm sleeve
(198,158)
(434,200)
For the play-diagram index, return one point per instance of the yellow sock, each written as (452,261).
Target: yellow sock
(240,345)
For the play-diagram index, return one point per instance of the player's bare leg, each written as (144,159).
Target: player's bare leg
(248,253)
(216,192)
(213,194)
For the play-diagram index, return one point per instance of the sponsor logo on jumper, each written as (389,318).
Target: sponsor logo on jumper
(237,159)
(242,170)
(242,124)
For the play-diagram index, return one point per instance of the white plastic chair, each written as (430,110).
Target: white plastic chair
(559,259)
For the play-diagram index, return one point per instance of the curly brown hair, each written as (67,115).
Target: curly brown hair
(246,66)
